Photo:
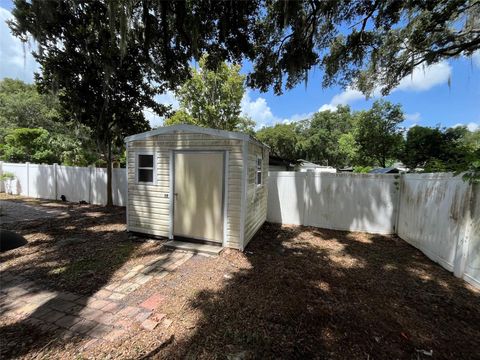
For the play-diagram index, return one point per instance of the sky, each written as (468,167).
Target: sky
(426,97)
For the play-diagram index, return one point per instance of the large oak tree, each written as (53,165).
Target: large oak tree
(103,55)
(107,59)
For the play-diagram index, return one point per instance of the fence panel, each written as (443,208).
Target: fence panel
(119,186)
(74,183)
(437,213)
(286,203)
(41,181)
(18,186)
(472,265)
(354,202)
(436,217)
(99,186)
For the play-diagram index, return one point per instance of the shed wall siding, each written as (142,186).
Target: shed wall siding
(149,205)
(256,211)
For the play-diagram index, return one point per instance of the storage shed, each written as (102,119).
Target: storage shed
(192,183)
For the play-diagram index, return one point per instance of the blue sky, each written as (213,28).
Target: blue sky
(426,98)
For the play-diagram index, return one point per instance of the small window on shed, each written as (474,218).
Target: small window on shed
(259,170)
(145,168)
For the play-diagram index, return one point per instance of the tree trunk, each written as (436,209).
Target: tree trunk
(109,174)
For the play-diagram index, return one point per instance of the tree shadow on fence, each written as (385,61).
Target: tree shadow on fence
(313,293)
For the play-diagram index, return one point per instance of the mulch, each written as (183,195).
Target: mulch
(296,292)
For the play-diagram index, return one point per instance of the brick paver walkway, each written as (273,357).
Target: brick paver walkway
(105,316)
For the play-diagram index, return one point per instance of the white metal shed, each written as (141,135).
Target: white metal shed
(189,182)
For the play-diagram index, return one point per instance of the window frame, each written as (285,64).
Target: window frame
(154,168)
(259,170)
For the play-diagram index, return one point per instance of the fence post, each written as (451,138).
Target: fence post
(55,186)
(398,202)
(1,173)
(28,178)
(90,183)
(306,197)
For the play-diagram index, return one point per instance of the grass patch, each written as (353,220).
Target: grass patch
(99,265)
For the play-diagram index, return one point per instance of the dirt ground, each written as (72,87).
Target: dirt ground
(296,292)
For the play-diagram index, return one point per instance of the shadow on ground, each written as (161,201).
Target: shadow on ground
(313,293)
(76,252)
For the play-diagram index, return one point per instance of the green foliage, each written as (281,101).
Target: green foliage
(377,133)
(368,45)
(435,149)
(246,125)
(362,169)
(211,98)
(421,144)
(102,76)
(321,137)
(27,145)
(180,117)
(21,106)
(282,139)
(348,148)
(7,176)
(472,173)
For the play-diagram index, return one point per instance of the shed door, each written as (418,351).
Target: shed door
(198,209)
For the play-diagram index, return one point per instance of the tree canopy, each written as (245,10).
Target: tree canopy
(364,44)
(367,44)
(283,140)
(211,98)
(108,59)
(322,136)
(27,145)
(21,106)
(372,138)
(377,132)
(436,149)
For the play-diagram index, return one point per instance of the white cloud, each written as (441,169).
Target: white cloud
(297,117)
(472,126)
(15,56)
(415,117)
(258,110)
(426,77)
(346,97)
(476,58)
(168,98)
(423,78)
(326,107)
(152,118)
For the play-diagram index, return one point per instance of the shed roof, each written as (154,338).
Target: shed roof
(192,128)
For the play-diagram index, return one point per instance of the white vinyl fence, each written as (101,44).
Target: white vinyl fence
(437,213)
(440,215)
(76,183)
(340,201)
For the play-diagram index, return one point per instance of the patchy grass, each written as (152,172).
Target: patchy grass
(296,292)
(83,268)
(78,251)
